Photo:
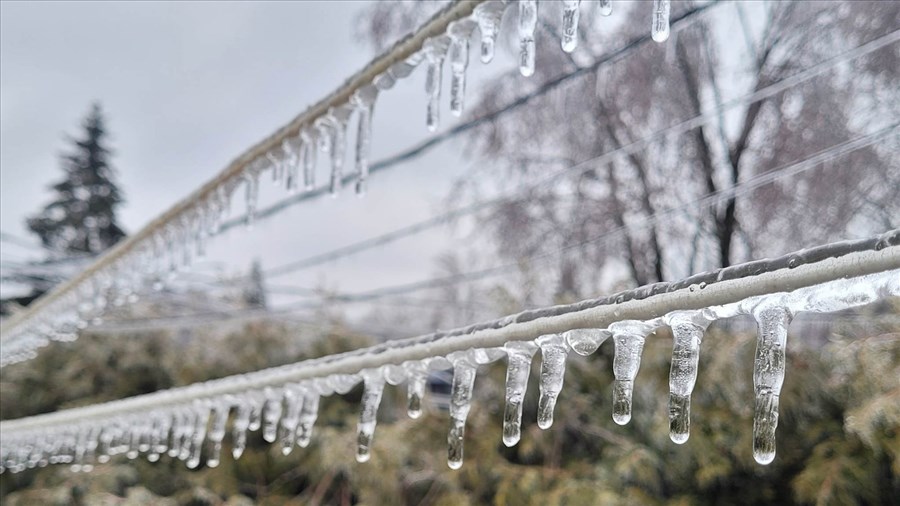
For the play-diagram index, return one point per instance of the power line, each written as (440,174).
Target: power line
(842,263)
(634,147)
(678,23)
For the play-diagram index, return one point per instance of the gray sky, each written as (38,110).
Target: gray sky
(187,86)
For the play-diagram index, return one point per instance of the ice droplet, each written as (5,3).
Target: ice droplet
(553,370)
(527,25)
(459,31)
(687,332)
(605,7)
(435,53)
(488,16)
(570,25)
(768,377)
(460,404)
(519,356)
(586,341)
(372,389)
(660,26)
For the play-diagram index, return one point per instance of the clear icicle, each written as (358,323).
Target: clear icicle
(605,7)
(291,164)
(338,118)
(198,434)
(435,53)
(519,356)
(277,167)
(660,26)
(252,195)
(687,333)
(239,429)
(586,341)
(415,387)
(287,429)
(768,377)
(308,416)
(308,158)
(364,101)
(271,416)
(460,403)
(371,399)
(629,341)
(553,370)
(527,25)
(571,11)
(488,16)
(217,434)
(256,408)
(459,31)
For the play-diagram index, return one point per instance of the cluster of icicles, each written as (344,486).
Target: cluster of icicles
(154,261)
(286,414)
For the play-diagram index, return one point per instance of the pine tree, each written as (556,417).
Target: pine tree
(82,216)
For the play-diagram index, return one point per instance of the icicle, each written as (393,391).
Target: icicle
(308,416)
(460,403)
(308,157)
(417,372)
(256,407)
(687,333)
(586,341)
(291,164)
(239,429)
(571,11)
(252,195)
(768,376)
(198,435)
(459,31)
(488,16)
(629,338)
(519,356)
(217,433)
(660,26)
(293,399)
(435,53)
(364,101)
(527,25)
(271,415)
(553,371)
(338,118)
(605,7)
(371,399)
(277,167)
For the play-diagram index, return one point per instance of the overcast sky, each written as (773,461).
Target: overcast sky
(186,88)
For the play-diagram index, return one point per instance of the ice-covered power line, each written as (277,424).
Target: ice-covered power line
(283,401)
(679,22)
(289,156)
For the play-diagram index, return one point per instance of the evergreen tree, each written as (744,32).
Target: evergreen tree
(82,216)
